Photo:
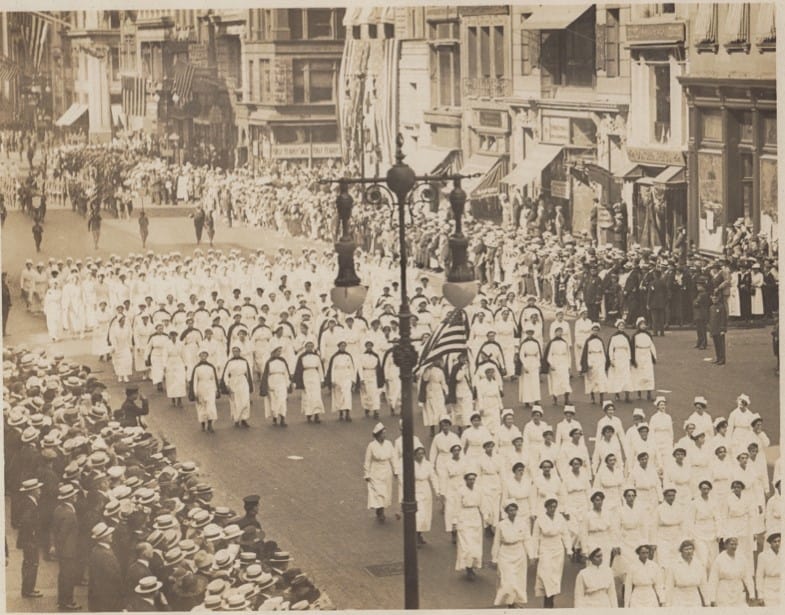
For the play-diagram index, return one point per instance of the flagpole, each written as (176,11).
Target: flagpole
(401,183)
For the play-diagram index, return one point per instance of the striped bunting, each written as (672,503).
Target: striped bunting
(183,82)
(134,96)
(451,337)
(8,69)
(34,30)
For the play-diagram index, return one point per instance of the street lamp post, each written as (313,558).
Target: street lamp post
(404,187)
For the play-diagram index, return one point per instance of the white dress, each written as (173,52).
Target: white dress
(595,587)
(204,382)
(278,379)
(767,577)
(595,378)
(311,398)
(100,346)
(342,378)
(757,294)
(734,303)
(469,526)
(122,358)
(174,370)
(425,484)
(686,583)
(728,579)
(378,470)
(582,332)
(370,394)
(642,373)
(559,359)
(512,543)
(529,380)
(644,585)
(551,539)
(435,393)
(619,370)
(237,378)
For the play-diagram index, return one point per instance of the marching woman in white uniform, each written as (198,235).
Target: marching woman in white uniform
(669,527)
(469,526)
(473,439)
(379,470)
(576,488)
(174,370)
(489,482)
(308,377)
(274,387)
(730,580)
(453,481)
(619,362)
(53,311)
(141,330)
(595,586)
(441,450)
(236,382)
(722,472)
(156,349)
(433,392)
(425,484)
(583,328)
(530,355)
(557,360)
(371,380)
(643,359)
(634,530)
(460,391)
(392,382)
(685,579)
(517,488)
(340,377)
(204,390)
(101,347)
(704,518)
(737,518)
(644,583)
(551,541)
(769,571)
(593,363)
(122,357)
(512,545)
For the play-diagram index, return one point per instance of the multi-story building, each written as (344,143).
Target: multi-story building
(731,96)
(290,65)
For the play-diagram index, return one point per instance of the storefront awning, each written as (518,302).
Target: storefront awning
(489,185)
(479,163)
(671,175)
(73,113)
(427,160)
(531,168)
(632,171)
(118,117)
(553,18)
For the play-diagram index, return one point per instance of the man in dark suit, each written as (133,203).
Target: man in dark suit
(140,567)
(146,596)
(251,506)
(29,525)
(658,301)
(718,325)
(700,314)
(105,589)
(65,532)
(134,408)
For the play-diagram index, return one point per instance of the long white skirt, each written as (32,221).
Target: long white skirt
(175,380)
(469,547)
(380,487)
(122,361)
(512,572)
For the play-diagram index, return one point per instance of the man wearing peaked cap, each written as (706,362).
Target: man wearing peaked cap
(251,507)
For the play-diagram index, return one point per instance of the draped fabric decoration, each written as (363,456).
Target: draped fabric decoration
(34,30)
(737,23)
(134,96)
(8,69)
(706,24)
(766,28)
(182,89)
(368,79)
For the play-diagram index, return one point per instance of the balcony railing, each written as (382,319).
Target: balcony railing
(487,87)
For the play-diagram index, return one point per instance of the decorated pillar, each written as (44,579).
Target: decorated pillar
(100,115)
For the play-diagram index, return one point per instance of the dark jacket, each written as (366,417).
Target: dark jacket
(136,571)
(131,412)
(65,530)
(700,307)
(28,521)
(718,318)
(105,591)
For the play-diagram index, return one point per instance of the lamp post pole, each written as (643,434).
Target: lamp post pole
(400,183)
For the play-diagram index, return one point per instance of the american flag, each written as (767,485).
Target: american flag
(451,337)
(8,69)
(34,30)
(134,96)
(183,83)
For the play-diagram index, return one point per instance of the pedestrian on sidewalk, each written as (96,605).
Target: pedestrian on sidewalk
(6,302)
(94,226)
(144,226)
(38,234)
(65,531)
(718,325)
(27,540)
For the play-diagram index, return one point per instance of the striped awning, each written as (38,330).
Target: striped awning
(118,117)
(489,185)
(737,23)
(766,26)
(553,18)
(73,113)
(532,166)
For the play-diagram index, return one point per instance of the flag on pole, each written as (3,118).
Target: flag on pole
(450,337)
(8,69)
(34,30)
(134,96)
(183,82)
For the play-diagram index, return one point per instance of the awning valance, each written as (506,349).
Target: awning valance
(531,168)
(426,160)
(118,117)
(489,184)
(766,26)
(633,171)
(479,163)
(705,28)
(553,18)
(671,175)
(73,113)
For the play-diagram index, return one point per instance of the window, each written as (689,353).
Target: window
(320,23)
(324,134)
(356,32)
(668,7)
(265,94)
(472,43)
(253,90)
(744,119)
(526,63)
(443,30)
(486,52)
(711,125)
(114,53)
(389,30)
(662,103)
(313,81)
(295,23)
(373,31)
(612,43)
(746,183)
(498,52)
(769,127)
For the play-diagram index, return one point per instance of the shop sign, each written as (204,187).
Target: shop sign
(560,189)
(490,119)
(656,157)
(305,150)
(556,130)
(655,32)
